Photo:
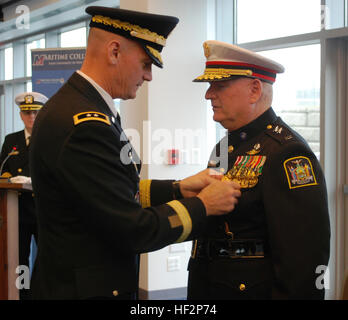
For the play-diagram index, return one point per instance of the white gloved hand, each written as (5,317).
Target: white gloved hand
(21,179)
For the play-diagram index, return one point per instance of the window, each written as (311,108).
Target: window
(73,38)
(117,104)
(296,96)
(29,86)
(297,91)
(32,45)
(9,63)
(259,20)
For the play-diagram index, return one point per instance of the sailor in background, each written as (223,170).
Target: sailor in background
(271,245)
(16,150)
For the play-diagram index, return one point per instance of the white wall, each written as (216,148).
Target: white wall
(171,102)
(175,102)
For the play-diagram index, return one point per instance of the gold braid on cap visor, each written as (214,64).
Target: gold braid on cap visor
(155,53)
(135,31)
(220,73)
(30,107)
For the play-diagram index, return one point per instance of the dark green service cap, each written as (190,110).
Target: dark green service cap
(150,30)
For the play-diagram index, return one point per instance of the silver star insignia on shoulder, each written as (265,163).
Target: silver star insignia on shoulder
(278,129)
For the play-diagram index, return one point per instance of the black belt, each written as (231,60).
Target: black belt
(228,248)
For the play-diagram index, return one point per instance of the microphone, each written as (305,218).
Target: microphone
(14,152)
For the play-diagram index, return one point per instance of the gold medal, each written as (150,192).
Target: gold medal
(246,171)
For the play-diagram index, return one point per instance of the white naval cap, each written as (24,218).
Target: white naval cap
(225,60)
(29,101)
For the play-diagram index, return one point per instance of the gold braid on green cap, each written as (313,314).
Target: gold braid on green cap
(135,31)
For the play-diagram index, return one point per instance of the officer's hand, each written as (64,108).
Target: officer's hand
(220,197)
(191,186)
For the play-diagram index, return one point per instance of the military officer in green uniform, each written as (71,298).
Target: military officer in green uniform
(86,174)
(16,149)
(276,241)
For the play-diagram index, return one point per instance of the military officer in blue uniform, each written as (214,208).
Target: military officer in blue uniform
(278,237)
(16,149)
(94,214)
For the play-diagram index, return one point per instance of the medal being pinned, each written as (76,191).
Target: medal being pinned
(246,170)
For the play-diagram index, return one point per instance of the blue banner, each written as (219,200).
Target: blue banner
(51,68)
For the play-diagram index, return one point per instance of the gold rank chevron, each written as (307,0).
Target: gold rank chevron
(91,116)
(145,193)
(185,218)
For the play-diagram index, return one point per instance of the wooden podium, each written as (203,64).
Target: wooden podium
(9,238)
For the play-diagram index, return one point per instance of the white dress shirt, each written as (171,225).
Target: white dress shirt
(107,98)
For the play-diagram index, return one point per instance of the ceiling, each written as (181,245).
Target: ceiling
(5,3)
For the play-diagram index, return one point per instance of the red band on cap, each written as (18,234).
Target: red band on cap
(241,64)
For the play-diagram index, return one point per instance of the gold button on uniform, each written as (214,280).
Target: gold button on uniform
(242,287)
(230,149)
(115,293)
(19,170)
(269,126)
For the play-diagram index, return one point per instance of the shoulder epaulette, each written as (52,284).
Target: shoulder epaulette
(91,116)
(279,133)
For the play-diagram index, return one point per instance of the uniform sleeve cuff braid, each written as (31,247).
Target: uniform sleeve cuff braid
(145,193)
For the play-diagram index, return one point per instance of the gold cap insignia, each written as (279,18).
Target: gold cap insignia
(29,99)
(255,150)
(206,50)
